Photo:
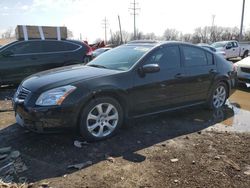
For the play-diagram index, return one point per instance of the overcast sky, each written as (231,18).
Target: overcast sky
(86,16)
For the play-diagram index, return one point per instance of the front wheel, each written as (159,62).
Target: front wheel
(101,118)
(218,96)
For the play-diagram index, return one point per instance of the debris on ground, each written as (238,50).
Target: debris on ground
(79,144)
(174,160)
(247,172)
(217,157)
(81,165)
(232,163)
(44,185)
(109,158)
(5,150)
(176,181)
(11,165)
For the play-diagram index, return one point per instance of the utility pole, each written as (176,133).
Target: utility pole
(242,19)
(105,24)
(212,28)
(134,13)
(120,27)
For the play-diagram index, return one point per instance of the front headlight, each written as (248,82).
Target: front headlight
(54,96)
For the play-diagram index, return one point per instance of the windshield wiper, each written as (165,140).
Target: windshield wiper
(98,66)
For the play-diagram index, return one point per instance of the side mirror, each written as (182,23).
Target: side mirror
(150,68)
(7,53)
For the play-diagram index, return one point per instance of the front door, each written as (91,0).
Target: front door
(164,89)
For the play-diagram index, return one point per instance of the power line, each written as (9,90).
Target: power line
(134,9)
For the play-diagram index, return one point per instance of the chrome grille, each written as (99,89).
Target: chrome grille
(21,94)
(243,69)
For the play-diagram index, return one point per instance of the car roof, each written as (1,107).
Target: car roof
(155,43)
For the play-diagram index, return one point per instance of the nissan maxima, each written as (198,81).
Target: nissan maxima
(129,81)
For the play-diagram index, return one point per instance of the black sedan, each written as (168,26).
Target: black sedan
(129,81)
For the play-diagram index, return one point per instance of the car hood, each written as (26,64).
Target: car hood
(244,62)
(63,76)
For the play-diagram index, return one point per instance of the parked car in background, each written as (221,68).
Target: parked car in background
(100,51)
(209,47)
(20,59)
(130,81)
(243,70)
(232,49)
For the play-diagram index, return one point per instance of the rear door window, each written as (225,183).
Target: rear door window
(53,46)
(194,56)
(210,58)
(69,46)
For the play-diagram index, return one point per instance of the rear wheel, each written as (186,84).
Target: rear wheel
(218,96)
(101,119)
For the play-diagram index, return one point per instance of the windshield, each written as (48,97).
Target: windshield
(120,58)
(219,44)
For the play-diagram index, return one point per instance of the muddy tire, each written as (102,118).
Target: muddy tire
(218,96)
(101,118)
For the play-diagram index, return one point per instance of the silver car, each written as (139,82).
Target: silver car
(243,70)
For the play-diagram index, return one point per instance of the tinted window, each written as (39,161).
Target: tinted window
(53,46)
(70,46)
(194,56)
(210,60)
(25,47)
(167,57)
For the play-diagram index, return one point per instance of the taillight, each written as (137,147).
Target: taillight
(90,52)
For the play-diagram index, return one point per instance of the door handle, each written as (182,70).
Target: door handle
(179,75)
(212,71)
(233,49)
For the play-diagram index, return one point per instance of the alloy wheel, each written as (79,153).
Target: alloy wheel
(102,120)
(219,96)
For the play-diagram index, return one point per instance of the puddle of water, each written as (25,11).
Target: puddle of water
(238,122)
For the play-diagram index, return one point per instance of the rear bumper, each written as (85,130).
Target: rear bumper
(46,119)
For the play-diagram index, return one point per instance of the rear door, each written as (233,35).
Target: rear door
(200,71)
(163,89)
(58,53)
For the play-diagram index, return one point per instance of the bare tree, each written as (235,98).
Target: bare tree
(70,34)
(116,38)
(186,37)
(8,33)
(171,34)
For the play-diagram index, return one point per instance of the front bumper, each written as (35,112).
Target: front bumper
(243,77)
(45,119)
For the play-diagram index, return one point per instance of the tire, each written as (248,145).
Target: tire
(218,96)
(100,119)
(245,54)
